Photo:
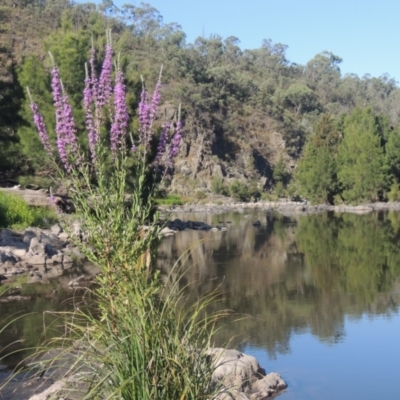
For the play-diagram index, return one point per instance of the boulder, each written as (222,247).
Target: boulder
(56,229)
(28,235)
(267,386)
(6,257)
(6,237)
(36,248)
(235,369)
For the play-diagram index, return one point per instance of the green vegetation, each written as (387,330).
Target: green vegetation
(170,200)
(141,344)
(243,109)
(15,213)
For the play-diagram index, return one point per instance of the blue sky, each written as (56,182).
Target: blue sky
(364,33)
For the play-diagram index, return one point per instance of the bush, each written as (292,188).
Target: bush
(200,195)
(218,186)
(394,194)
(16,213)
(239,191)
(279,189)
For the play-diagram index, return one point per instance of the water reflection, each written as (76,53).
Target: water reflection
(293,274)
(28,323)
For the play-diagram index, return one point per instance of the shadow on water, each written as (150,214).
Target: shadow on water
(37,317)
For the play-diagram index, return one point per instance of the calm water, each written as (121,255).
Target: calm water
(321,294)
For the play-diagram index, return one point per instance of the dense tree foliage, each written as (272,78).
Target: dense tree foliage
(245,110)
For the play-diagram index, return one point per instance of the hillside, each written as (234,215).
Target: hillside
(249,115)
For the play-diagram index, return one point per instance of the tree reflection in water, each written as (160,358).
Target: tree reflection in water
(293,274)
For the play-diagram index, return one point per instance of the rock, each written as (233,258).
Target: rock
(235,369)
(9,299)
(63,236)
(55,259)
(75,281)
(76,228)
(49,250)
(37,248)
(267,386)
(53,389)
(167,231)
(56,229)
(8,258)
(20,253)
(38,259)
(67,259)
(6,238)
(28,235)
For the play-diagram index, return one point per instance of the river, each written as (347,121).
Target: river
(316,298)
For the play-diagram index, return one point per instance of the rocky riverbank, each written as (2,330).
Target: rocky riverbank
(283,207)
(41,254)
(239,374)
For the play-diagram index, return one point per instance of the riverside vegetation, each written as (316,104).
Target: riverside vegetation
(256,124)
(157,350)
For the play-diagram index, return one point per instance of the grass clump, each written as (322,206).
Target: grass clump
(170,200)
(16,213)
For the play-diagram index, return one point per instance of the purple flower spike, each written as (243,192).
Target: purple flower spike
(87,102)
(105,85)
(155,101)
(147,114)
(65,124)
(119,125)
(41,127)
(162,144)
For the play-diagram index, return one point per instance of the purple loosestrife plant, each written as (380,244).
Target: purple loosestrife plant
(105,85)
(119,127)
(100,101)
(147,114)
(65,125)
(89,121)
(41,127)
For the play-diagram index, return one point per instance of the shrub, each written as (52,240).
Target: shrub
(279,189)
(16,213)
(218,186)
(394,194)
(200,195)
(239,191)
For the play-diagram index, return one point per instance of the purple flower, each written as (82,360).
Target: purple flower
(119,125)
(87,102)
(65,124)
(41,127)
(105,85)
(147,114)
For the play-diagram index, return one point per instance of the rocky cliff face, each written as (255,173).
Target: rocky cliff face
(250,157)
